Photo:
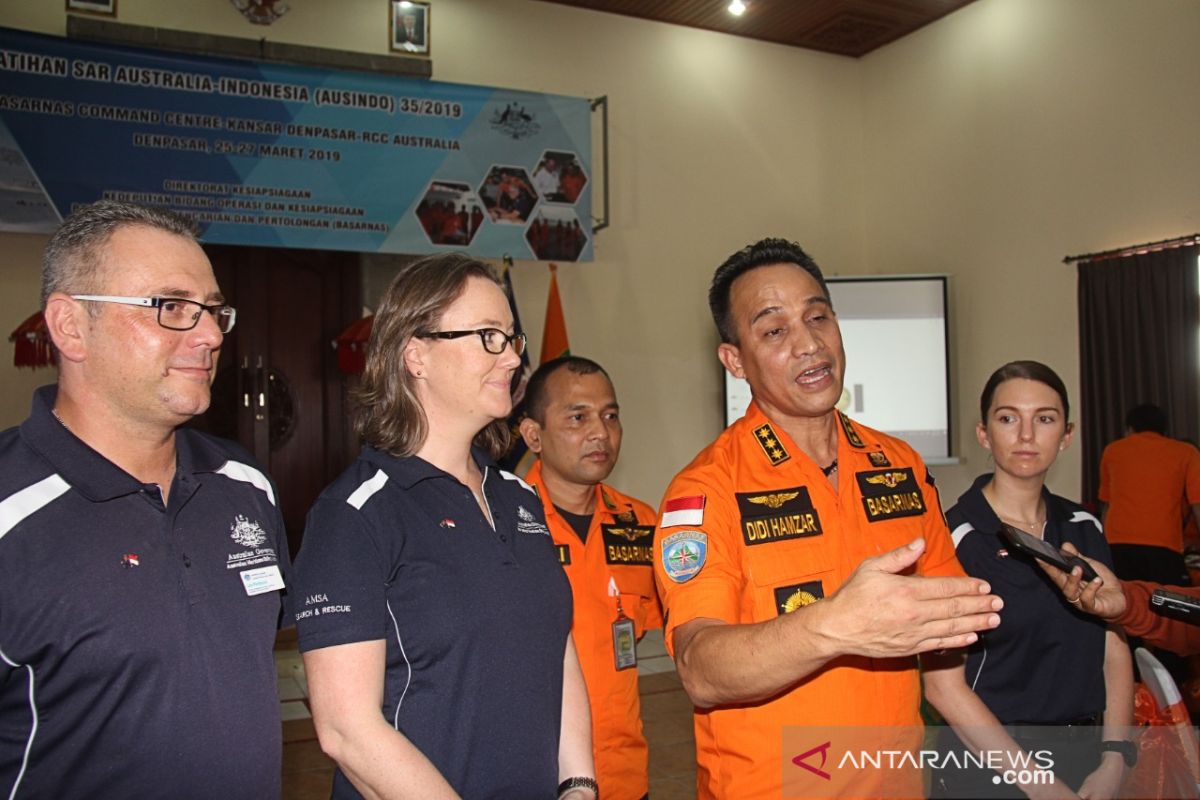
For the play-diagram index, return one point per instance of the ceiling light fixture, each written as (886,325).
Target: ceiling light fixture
(737,8)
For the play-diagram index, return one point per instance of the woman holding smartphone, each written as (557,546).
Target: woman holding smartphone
(1058,678)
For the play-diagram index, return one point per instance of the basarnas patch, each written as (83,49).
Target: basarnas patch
(628,544)
(683,554)
(889,494)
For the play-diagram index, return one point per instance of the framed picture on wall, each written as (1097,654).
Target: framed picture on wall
(107,7)
(408,23)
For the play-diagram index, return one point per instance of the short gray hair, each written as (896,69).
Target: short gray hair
(72,258)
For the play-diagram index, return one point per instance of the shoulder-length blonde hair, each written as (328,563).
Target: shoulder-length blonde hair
(388,415)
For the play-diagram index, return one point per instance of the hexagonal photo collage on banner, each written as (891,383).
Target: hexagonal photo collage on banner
(450,213)
(542,200)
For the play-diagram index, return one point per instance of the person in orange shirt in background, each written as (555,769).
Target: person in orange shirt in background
(780,548)
(604,541)
(1149,485)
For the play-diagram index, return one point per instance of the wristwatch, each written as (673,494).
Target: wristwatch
(1128,750)
(579,783)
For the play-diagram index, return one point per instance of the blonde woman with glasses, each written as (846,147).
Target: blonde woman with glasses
(432,612)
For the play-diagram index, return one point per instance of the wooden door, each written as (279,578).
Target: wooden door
(278,391)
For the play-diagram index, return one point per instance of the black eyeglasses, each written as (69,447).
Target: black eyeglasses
(494,340)
(174,313)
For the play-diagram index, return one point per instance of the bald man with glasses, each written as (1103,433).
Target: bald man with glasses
(142,565)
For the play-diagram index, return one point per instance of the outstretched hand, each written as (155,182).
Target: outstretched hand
(1102,596)
(883,614)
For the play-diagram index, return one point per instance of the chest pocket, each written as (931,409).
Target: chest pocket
(629,554)
(784,548)
(781,573)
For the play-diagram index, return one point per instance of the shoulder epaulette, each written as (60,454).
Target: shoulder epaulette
(768,440)
(851,432)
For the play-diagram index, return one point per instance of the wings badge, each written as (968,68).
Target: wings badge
(888,479)
(775,500)
(629,534)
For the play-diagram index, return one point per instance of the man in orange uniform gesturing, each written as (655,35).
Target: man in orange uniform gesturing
(604,544)
(781,546)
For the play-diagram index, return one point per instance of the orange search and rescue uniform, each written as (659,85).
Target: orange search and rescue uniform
(753,529)
(617,553)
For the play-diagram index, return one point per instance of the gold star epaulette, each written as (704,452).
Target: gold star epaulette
(773,448)
(851,433)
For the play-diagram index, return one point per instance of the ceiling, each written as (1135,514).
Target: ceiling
(846,27)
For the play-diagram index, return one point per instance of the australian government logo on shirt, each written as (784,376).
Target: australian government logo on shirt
(528,523)
(250,535)
(258,566)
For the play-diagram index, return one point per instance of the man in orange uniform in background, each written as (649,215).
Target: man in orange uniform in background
(1149,485)
(780,551)
(604,542)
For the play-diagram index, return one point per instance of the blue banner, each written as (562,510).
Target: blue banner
(283,156)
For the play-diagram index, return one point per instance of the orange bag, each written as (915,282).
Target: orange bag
(1168,753)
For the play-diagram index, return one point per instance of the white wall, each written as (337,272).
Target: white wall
(987,145)
(1013,133)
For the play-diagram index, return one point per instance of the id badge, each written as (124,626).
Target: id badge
(624,643)
(261,580)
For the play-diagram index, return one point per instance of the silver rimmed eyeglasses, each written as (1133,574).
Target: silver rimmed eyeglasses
(494,340)
(174,313)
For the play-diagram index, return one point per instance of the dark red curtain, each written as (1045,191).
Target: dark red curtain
(1139,323)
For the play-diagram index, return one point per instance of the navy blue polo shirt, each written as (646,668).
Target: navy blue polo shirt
(475,620)
(134,662)
(1045,663)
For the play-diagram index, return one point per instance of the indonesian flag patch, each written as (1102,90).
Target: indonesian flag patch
(684,511)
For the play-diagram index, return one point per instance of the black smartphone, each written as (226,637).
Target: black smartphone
(1173,604)
(1037,548)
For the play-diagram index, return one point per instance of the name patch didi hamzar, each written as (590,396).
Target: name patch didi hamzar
(777,514)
